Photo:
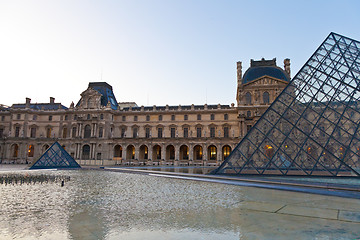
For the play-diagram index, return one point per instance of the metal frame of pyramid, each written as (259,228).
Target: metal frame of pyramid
(55,157)
(312,128)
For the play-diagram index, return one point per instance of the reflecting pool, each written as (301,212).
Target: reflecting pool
(113,205)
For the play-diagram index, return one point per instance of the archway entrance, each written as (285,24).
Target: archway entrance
(198,152)
(86,152)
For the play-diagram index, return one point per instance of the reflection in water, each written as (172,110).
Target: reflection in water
(109,205)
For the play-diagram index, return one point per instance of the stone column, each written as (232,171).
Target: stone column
(219,153)
(137,151)
(163,151)
(177,152)
(150,152)
(205,153)
(191,153)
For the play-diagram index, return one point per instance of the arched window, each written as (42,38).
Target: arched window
(266,98)
(118,151)
(212,152)
(226,151)
(156,152)
(341,152)
(45,147)
(86,152)
(15,151)
(144,152)
(170,152)
(130,152)
(198,152)
(269,151)
(48,132)
(248,98)
(87,131)
(31,151)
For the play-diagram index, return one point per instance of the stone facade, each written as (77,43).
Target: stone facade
(100,131)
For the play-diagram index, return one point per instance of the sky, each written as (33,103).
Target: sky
(156,52)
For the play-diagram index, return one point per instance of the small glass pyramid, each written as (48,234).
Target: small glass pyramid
(312,128)
(55,157)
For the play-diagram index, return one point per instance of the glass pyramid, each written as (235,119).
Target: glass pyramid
(55,157)
(312,128)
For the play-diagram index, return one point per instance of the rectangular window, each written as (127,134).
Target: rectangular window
(212,117)
(2,118)
(18,117)
(212,132)
(123,118)
(101,130)
(1,132)
(172,132)
(33,132)
(17,131)
(172,117)
(226,117)
(160,117)
(123,132)
(186,132)
(135,118)
(34,117)
(50,118)
(135,133)
(198,132)
(147,132)
(198,117)
(73,132)
(226,132)
(160,132)
(147,117)
(186,117)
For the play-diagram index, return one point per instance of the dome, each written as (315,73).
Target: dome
(264,68)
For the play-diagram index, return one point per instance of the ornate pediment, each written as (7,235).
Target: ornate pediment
(266,80)
(90,99)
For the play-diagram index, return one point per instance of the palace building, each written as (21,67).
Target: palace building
(100,131)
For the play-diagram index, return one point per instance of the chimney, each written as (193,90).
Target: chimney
(52,100)
(239,71)
(28,100)
(287,66)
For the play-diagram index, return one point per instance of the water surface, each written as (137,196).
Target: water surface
(113,205)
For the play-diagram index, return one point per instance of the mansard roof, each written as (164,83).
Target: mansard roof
(264,68)
(40,106)
(174,108)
